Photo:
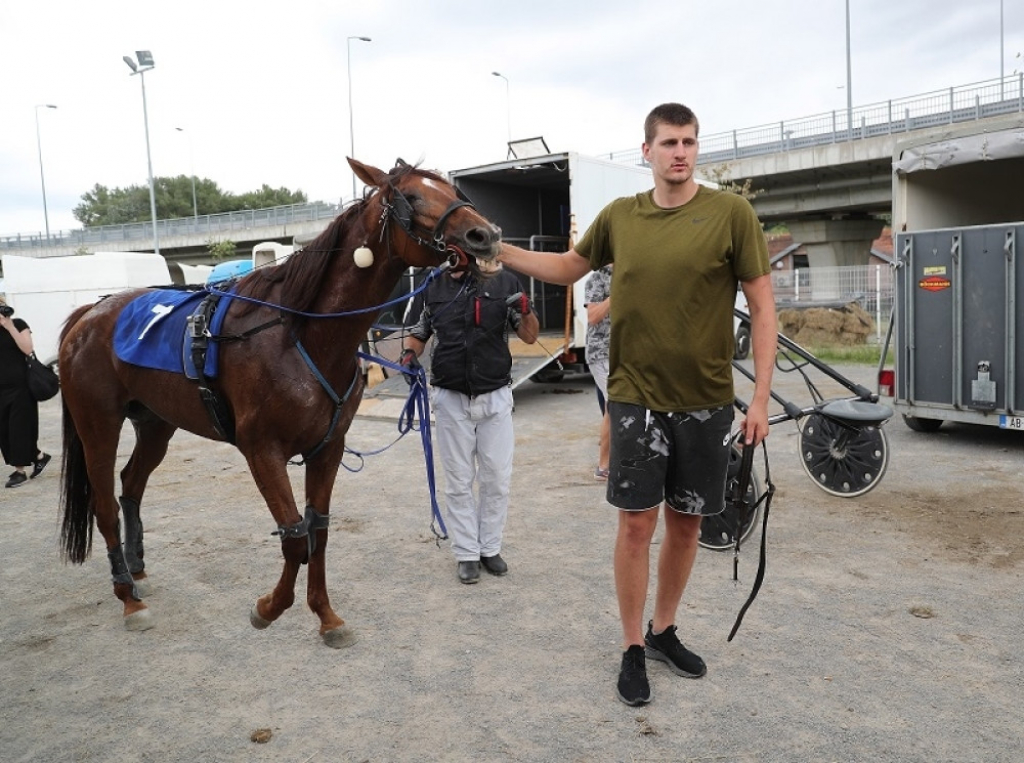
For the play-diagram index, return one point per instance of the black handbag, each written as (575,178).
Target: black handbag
(42,381)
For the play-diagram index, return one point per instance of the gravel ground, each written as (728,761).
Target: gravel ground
(888,628)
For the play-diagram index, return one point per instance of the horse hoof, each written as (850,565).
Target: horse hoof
(257,622)
(143,588)
(141,620)
(340,638)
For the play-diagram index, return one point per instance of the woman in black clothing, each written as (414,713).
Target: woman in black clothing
(19,413)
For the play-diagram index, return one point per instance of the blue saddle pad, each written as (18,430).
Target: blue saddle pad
(151,332)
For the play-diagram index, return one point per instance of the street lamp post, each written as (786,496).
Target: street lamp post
(42,179)
(849,79)
(146,63)
(1002,69)
(351,128)
(508,105)
(192,170)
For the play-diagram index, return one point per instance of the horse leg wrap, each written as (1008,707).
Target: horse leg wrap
(311,521)
(133,552)
(316,522)
(119,570)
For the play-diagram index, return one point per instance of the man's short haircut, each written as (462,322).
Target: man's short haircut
(675,114)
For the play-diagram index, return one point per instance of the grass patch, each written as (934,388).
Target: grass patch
(859,354)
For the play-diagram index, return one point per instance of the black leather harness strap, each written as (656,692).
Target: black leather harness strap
(199,331)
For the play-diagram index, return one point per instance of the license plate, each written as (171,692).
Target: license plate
(1011,422)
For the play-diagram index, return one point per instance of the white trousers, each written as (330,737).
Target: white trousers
(476,441)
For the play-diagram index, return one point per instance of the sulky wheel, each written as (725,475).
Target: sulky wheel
(842,460)
(718,532)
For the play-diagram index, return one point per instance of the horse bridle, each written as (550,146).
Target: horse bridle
(400,210)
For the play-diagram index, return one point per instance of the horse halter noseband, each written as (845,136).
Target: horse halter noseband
(400,210)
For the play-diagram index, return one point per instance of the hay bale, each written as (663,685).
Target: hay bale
(817,326)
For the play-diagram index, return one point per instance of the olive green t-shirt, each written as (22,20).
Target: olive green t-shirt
(673,290)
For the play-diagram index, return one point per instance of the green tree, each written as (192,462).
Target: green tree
(117,206)
(221,250)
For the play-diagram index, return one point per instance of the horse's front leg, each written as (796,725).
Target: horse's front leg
(320,475)
(271,476)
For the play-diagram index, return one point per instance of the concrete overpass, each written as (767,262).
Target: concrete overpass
(185,239)
(828,177)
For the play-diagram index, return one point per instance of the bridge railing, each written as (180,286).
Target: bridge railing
(956,104)
(215,227)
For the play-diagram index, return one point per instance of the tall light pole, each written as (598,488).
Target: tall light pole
(351,129)
(146,63)
(42,179)
(849,79)
(192,170)
(508,105)
(1002,70)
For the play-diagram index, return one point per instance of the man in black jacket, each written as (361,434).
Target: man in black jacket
(471,395)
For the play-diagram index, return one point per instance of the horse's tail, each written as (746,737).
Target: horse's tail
(76,490)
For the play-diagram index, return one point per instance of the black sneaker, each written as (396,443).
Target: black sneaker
(38,466)
(17,480)
(633,688)
(667,648)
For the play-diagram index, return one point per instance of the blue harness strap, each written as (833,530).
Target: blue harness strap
(418,405)
(339,402)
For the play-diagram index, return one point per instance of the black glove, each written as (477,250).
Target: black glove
(408,360)
(520,303)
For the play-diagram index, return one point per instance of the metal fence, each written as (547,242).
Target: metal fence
(964,103)
(871,286)
(214,227)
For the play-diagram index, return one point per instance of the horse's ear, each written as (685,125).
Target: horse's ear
(369,175)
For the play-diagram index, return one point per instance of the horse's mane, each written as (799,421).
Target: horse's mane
(302,275)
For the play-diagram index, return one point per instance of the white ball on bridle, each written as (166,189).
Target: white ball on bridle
(363,257)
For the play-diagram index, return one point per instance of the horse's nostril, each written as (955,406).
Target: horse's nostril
(481,235)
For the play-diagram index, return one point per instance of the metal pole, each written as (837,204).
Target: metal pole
(42,179)
(351,128)
(149,164)
(849,79)
(508,106)
(1002,58)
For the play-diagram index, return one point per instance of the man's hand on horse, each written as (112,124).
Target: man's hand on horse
(409,361)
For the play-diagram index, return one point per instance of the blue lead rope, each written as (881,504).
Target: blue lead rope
(418,406)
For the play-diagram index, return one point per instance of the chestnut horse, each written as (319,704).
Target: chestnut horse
(290,386)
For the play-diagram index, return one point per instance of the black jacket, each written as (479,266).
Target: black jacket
(470,321)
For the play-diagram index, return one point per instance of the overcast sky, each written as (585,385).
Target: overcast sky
(261,90)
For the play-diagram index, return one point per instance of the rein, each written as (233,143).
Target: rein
(745,510)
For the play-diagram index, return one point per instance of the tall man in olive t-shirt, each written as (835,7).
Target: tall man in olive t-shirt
(679,252)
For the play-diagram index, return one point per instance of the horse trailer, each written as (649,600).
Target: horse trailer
(958,213)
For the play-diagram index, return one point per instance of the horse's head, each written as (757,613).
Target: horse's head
(433,221)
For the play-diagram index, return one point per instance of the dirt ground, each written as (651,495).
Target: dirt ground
(888,629)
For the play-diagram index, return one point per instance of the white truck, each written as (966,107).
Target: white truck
(546,203)
(44,290)
(958,213)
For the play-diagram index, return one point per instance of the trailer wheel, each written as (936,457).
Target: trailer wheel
(718,532)
(842,460)
(742,343)
(922,425)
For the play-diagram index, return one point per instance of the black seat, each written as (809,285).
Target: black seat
(857,413)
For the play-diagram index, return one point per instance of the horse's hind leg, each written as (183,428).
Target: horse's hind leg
(151,438)
(104,430)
